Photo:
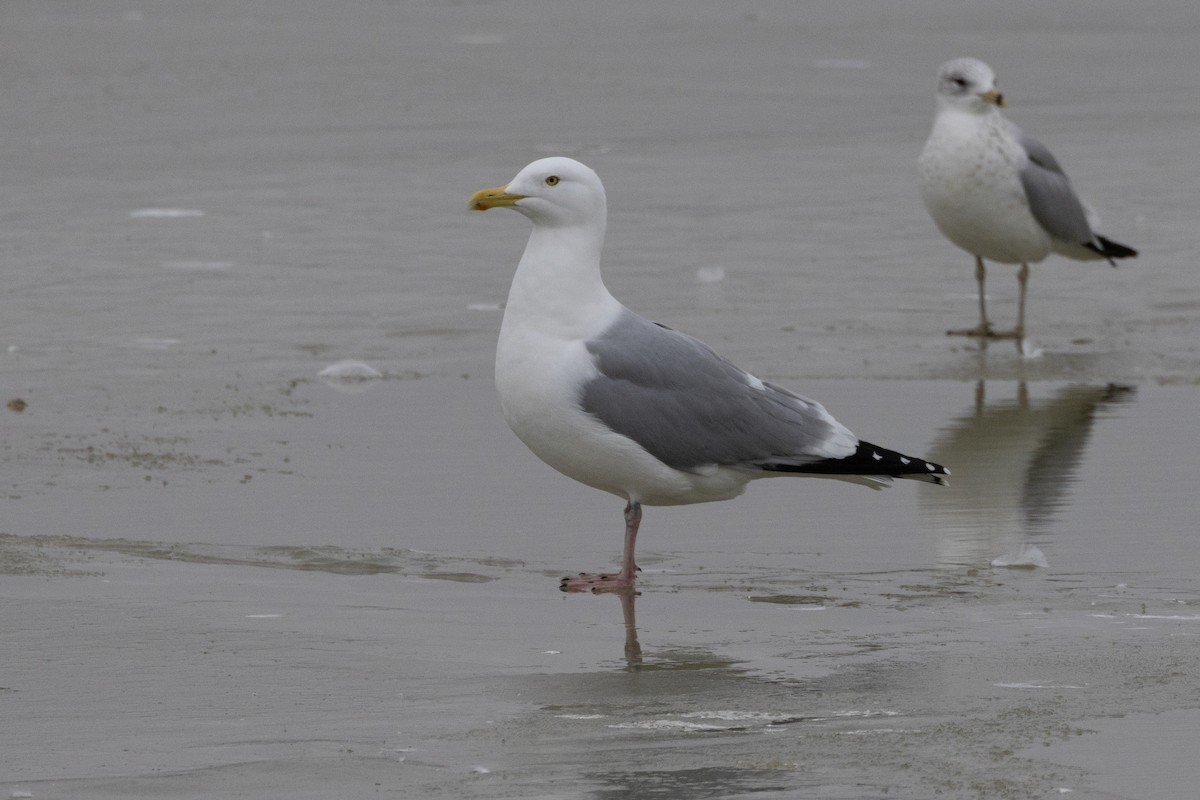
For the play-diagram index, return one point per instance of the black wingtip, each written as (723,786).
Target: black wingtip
(869,460)
(1110,250)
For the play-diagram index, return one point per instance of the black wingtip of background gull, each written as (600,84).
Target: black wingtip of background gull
(869,459)
(1110,249)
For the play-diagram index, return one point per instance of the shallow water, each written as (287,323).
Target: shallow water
(223,576)
(311,613)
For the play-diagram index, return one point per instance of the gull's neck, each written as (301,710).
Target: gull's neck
(957,125)
(974,110)
(558,287)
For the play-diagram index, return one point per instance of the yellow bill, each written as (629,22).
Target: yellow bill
(493,198)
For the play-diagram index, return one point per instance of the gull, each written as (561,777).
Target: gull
(998,193)
(632,407)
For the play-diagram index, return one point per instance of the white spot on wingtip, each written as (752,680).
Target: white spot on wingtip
(876,456)
(904,460)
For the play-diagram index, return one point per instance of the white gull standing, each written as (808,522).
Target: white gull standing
(632,407)
(997,193)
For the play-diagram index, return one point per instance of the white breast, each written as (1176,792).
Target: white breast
(971,185)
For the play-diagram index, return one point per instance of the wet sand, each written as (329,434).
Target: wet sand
(223,577)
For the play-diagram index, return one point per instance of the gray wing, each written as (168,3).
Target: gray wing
(1052,199)
(690,407)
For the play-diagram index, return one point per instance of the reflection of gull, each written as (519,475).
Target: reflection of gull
(1013,464)
(632,407)
(997,193)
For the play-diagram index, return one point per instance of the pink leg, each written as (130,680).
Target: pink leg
(984,329)
(607,581)
(1023,280)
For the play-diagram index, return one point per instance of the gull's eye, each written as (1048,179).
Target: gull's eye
(959,81)
(552,180)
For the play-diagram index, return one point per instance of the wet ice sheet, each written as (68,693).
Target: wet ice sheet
(1163,745)
(147,676)
(372,609)
(430,466)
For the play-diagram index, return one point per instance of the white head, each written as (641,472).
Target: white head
(552,192)
(968,84)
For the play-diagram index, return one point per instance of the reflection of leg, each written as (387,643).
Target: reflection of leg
(606,581)
(984,329)
(633,648)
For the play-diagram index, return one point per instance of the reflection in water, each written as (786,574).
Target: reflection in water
(1013,463)
(664,660)
(633,648)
